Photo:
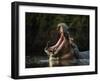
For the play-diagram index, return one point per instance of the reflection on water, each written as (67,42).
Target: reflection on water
(42,61)
(36,61)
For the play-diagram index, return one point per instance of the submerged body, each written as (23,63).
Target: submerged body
(64,57)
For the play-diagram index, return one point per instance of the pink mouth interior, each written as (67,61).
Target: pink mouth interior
(58,43)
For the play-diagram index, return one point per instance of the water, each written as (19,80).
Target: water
(42,61)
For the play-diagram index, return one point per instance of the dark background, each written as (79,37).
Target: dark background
(38,28)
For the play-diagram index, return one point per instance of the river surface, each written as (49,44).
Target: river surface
(42,61)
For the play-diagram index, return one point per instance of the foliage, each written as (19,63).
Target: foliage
(39,25)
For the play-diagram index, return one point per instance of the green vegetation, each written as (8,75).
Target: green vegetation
(39,25)
(38,28)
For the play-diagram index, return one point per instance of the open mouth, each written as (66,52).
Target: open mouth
(54,37)
(56,43)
